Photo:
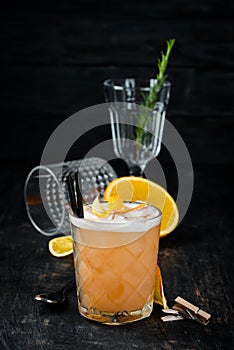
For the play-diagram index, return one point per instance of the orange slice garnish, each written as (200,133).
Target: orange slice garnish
(98,209)
(132,188)
(115,203)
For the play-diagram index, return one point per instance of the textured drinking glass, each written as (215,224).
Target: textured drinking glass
(46,196)
(136,144)
(115,266)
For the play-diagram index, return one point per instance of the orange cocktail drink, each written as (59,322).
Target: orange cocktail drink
(115,259)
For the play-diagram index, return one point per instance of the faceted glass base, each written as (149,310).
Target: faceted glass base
(116,318)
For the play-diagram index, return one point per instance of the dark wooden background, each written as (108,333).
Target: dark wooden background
(54,58)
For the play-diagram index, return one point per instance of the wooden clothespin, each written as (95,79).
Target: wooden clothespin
(191,311)
(183,309)
(172,315)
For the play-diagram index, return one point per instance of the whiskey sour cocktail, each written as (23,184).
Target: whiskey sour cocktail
(115,257)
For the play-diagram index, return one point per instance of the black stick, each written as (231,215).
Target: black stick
(71,191)
(79,199)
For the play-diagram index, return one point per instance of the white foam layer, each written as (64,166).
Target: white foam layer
(139,220)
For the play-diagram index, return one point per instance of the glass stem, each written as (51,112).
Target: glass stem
(135,169)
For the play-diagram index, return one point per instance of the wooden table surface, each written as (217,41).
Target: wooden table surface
(196,262)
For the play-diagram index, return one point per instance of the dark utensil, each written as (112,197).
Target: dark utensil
(56,297)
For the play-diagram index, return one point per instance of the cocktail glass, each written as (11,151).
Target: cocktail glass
(115,265)
(140,143)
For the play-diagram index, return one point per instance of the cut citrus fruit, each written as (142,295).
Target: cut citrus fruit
(61,246)
(132,188)
(98,209)
(115,203)
(159,296)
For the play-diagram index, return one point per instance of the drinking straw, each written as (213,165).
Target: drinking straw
(71,191)
(79,200)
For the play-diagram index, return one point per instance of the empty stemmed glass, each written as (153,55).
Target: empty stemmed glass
(136,129)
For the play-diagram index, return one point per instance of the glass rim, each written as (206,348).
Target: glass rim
(117,83)
(107,223)
(57,228)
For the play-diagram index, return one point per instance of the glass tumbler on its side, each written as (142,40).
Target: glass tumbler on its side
(45,192)
(115,266)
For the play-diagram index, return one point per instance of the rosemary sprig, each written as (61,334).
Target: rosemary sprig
(151,99)
(161,76)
